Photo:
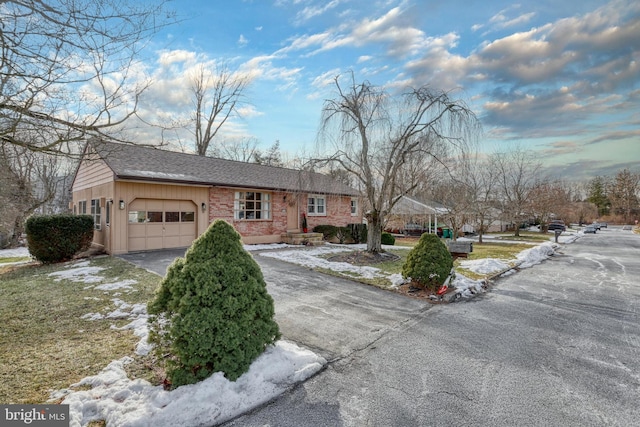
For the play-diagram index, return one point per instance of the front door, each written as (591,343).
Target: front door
(292,214)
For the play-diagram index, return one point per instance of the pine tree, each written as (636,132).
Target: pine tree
(212,311)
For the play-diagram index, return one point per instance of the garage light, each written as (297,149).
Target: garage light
(204,207)
(121,204)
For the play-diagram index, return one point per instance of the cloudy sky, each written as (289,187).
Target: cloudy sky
(561,78)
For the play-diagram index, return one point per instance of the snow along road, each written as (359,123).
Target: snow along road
(556,344)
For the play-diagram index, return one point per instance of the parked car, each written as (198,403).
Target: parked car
(589,229)
(413,229)
(556,224)
(596,225)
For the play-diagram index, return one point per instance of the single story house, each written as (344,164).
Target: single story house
(145,198)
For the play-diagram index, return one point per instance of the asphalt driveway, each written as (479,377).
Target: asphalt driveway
(332,316)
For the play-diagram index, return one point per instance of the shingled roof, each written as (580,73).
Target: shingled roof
(133,162)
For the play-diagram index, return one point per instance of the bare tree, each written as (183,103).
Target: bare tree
(457,200)
(66,69)
(481,180)
(217,95)
(28,181)
(549,199)
(379,138)
(238,149)
(624,194)
(517,172)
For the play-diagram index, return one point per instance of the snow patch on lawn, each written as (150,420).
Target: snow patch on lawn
(313,258)
(80,272)
(485,265)
(123,284)
(135,403)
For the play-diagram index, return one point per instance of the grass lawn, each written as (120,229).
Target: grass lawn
(526,236)
(4,260)
(45,345)
(503,251)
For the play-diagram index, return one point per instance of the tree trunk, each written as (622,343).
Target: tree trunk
(374,232)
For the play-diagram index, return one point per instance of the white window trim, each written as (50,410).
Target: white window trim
(266,211)
(354,203)
(96,213)
(317,197)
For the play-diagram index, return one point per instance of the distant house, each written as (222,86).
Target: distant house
(144,198)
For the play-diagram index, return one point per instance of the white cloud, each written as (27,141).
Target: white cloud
(169,57)
(391,30)
(242,40)
(310,12)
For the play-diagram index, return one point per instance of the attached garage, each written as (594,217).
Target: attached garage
(161,224)
(144,198)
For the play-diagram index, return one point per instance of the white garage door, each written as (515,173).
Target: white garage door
(159,224)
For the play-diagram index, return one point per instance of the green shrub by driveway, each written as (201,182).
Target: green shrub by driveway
(429,263)
(212,311)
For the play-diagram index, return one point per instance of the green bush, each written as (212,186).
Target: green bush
(328,231)
(387,239)
(212,311)
(429,263)
(56,238)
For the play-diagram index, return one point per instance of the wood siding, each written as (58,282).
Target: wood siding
(129,192)
(91,173)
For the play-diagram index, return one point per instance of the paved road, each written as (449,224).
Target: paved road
(331,316)
(554,345)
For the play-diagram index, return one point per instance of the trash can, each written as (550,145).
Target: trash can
(446,233)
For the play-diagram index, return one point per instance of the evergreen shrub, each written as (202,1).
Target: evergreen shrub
(57,238)
(429,263)
(387,239)
(212,312)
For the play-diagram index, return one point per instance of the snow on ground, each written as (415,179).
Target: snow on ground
(312,258)
(81,272)
(131,403)
(14,253)
(465,286)
(485,265)
(125,402)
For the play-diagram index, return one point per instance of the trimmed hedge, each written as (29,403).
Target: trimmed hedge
(57,238)
(387,239)
(429,263)
(212,312)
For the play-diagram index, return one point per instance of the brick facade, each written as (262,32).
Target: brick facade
(338,213)
(221,206)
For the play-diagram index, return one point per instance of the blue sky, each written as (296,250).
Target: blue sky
(560,78)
